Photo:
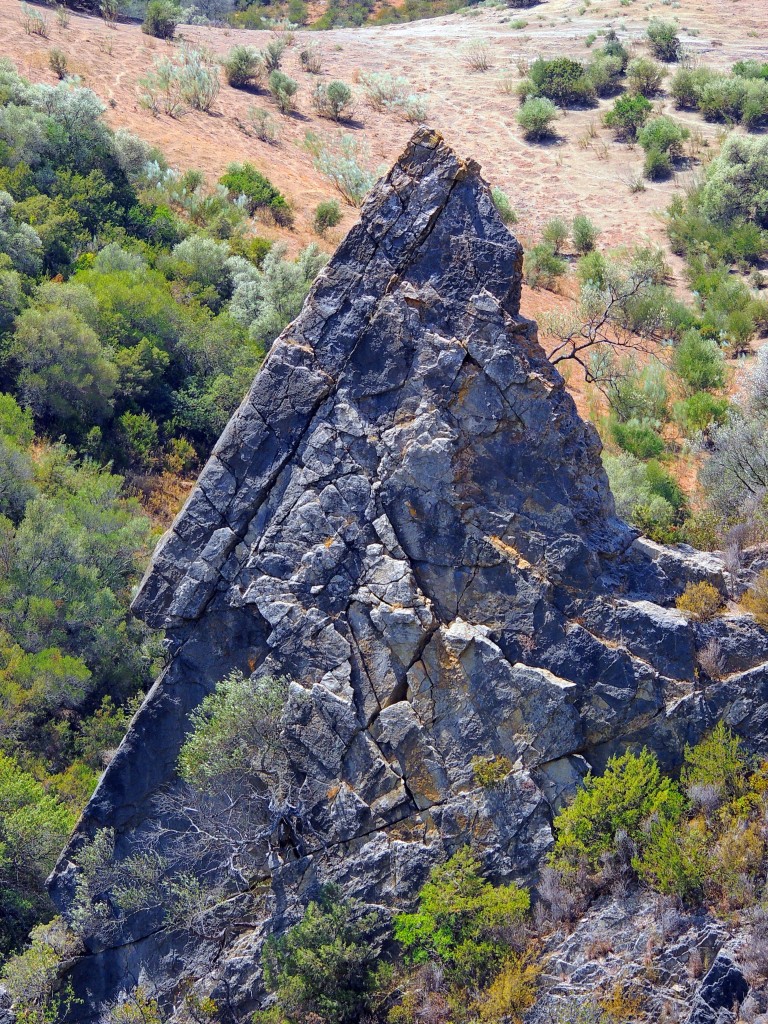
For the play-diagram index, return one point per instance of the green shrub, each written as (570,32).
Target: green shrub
(756,599)
(604,74)
(272,54)
(562,80)
(57,62)
(333,100)
(612,47)
(543,266)
(718,763)
(535,117)
(699,411)
(490,772)
(283,90)
(627,116)
(720,98)
(644,76)
(699,362)
(322,967)
(664,135)
(242,66)
(675,860)
(342,164)
(657,165)
(750,69)
(631,791)
(637,438)
(701,601)
(686,86)
(584,233)
(161,19)
(663,40)
(259,192)
(462,921)
(327,215)
(555,234)
(503,205)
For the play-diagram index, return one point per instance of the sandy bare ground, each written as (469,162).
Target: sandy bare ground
(472,109)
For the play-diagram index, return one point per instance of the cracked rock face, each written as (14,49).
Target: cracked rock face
(407,518)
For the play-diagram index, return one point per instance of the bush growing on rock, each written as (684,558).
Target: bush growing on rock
(322,967)
(503,205)
(535,117)
(701,601)
(756,599)
(463,921)
(490,772)
(630,791)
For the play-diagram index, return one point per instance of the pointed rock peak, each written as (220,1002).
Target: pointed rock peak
(413,328)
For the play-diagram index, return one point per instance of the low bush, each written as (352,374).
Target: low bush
(321,969)
(503,205)
(536,116)
(663,135)
(638,438)
(283,90)
(657,165)
(57,62)
(584,234)
(333,100)
(644,76)
(604,74)
(561,80)
(341,162)
(327,215)
(543,266)
(242,66)
(756,599)
(627,116)
(701,601)
(663,40)
(259,193)
(699,411)
(161,19)
(630,791)
(699,362)
(463,921)
(555,234)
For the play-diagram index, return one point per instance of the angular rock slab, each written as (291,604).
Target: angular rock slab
(407,518)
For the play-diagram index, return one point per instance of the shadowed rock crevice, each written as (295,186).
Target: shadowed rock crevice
(406,518)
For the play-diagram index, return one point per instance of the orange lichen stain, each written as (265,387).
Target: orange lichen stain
(509,552)
(333,792)
(328,542)
(414,511)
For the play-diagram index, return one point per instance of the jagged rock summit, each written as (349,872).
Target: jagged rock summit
(407,519)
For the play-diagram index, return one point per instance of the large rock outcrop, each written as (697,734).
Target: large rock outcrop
(408,519)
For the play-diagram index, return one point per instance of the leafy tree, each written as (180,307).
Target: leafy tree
(323,965)
(65,374)
(737,182)
(33,828)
